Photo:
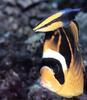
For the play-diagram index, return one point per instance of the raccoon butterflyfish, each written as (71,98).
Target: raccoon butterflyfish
(62,66)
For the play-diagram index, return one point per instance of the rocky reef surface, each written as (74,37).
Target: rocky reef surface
(21,47)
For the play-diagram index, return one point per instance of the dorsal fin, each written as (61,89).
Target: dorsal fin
(45,26)
(57,20)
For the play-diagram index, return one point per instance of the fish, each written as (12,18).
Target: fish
(62,68)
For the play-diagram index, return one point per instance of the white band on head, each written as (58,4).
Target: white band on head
(56,55)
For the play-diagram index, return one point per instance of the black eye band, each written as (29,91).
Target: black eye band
(56,66)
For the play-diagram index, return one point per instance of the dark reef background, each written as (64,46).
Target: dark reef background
(21,47)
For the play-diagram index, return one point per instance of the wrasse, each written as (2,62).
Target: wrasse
(62,66)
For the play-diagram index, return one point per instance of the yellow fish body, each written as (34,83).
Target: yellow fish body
(62,65)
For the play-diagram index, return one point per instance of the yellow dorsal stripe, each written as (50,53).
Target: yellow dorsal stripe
(51,27)
(49,19)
